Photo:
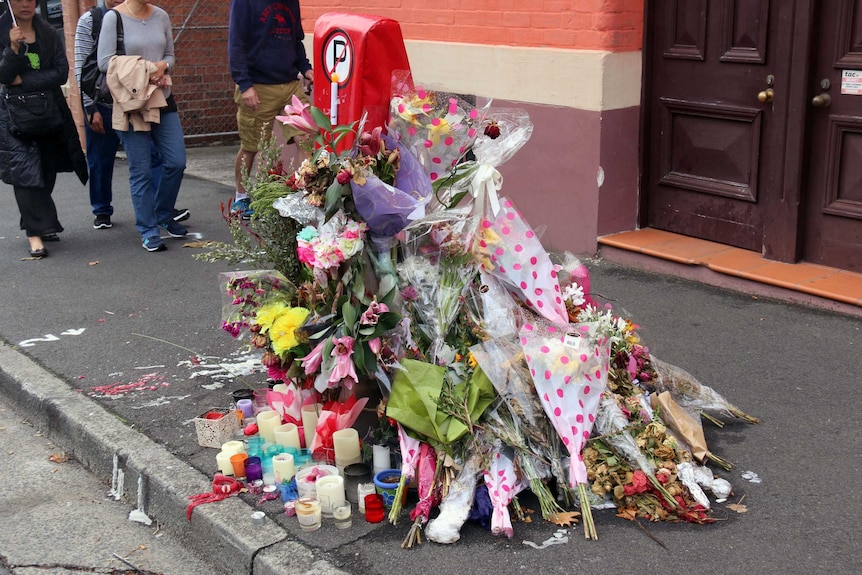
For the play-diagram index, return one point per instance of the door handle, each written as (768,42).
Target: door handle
(821,100)
(766,96)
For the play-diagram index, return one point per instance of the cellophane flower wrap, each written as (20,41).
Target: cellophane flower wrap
(334,416)
(569,365)
(410,450)
(243,294)
(503,484)
(509,249)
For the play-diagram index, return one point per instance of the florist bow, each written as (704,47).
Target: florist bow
(486,182)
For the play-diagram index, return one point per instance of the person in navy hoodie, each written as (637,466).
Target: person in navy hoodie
(267,58)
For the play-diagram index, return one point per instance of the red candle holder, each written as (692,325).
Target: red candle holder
(374,511)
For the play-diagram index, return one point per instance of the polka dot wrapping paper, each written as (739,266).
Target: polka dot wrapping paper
(569,367)
(510,250)
(503,484)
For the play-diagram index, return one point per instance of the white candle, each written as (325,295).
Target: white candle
(233,447)
(381,458)
(287,435)
(309,421)
(266,423)
(283,465)
(330,489)
(362,490)
(333,99)
(223,462)
(346,444)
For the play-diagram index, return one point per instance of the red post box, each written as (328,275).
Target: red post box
(358,54)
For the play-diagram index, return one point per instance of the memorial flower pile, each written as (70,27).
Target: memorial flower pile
(399,271)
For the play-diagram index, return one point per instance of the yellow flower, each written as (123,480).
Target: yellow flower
(283,330)
(267,314)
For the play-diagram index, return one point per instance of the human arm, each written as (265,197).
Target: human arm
(236,44)
(84,46)
(108,39)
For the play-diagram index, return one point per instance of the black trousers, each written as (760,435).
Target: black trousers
(38,212)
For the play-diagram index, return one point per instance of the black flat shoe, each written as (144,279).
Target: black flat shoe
(51,238)
(40,253)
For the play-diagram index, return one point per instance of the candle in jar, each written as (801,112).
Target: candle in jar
(308,513)
(330,489)
(346,444)
(266,424)
(342,514)
(287,435)
(284,467)
(309,421)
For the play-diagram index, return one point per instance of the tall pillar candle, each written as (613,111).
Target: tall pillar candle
(346,444)
(309,421)
(333,99)
(330,489)
(381,458)
(284,468)
(287,435)
(266,424)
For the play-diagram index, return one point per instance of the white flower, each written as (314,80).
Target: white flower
(574,294)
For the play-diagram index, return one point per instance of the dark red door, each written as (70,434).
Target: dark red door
(833,189)
(718,119)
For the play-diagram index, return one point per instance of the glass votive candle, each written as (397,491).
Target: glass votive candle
(342,514)
(308,513)
(253,469)
(362,490)
(374,511)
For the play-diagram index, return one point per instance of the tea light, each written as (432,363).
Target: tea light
(330,489)
(287,435)
(342,514)
(266,424)
(346,444)
(284,467)
(309,421)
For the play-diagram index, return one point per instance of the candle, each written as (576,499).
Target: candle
(346,444)
(362,490)
(309,421)
(287,435)
(266,423)
(268,470)
(246,406)
(308,513)
(284,468)
(232,447)
(253,470)
(330,489)
(342,514)
(223,462)
(237,461)
(333,99)
(381,458)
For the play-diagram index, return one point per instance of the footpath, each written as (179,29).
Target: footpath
(109,353)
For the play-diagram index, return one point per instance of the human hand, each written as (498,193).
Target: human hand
(97,123)
(16,36)
(250,99)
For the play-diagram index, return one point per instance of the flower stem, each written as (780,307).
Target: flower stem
(396,503)
(587,514)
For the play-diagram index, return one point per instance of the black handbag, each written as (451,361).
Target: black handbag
(33,114)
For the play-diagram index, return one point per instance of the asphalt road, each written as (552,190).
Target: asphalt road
(102,314)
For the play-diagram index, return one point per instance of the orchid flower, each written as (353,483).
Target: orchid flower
(311,362)
(298,116)
(371,142)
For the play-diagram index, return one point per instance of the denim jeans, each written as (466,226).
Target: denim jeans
(101,151)
(153,197)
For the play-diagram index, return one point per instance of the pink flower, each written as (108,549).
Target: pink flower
(344,368)
(343,177)
(298,116)
(305,253)
(311,362)
(374,345)
(372,315)
(371,142)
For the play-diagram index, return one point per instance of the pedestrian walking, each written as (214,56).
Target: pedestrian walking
(33,65)
(148,57)
(267,58)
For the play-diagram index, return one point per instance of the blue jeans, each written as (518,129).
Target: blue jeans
(153,197)
(101,151)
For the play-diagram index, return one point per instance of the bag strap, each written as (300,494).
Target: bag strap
(121,46)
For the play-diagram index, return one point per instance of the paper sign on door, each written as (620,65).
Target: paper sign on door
(851,82)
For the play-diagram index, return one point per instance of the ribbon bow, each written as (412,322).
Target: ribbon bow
(223,487)
(486,182)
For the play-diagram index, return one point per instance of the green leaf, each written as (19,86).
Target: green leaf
(333,194)
(359,357)
(368,330)
(387,320)
(321,119)
(389,297)
(350,315)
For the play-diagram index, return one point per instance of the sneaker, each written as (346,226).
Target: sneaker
(102,222)
(154,244)
(243,208)
(181,214)
(174,229)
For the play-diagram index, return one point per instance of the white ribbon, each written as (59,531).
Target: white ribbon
(486,182)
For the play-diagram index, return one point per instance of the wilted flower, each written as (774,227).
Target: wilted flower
(371,315)
(343,177)
(370,143)
(492,129)
(344,370)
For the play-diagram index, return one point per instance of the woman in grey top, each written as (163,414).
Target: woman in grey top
(147,33)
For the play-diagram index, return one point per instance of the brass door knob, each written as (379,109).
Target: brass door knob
(821,100)
(766,95)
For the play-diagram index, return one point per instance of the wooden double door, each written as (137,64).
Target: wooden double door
(754,125)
